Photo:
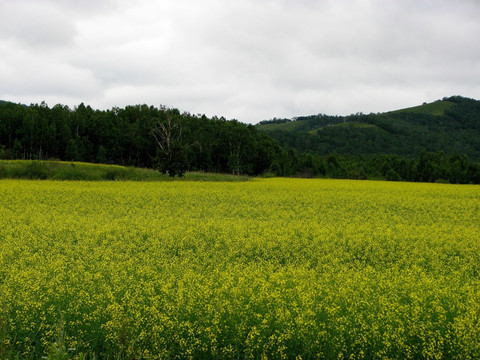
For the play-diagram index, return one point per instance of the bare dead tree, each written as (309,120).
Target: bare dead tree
(166,134)
(172,148)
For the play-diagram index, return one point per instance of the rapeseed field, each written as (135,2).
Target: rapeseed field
(265,269)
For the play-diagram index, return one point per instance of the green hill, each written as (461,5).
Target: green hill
(423,143)
(451,125)
(436,108)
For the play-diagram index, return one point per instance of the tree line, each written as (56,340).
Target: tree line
(175,142)
(132,136)
(451,125)
(426,167)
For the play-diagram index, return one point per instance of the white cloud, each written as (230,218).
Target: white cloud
(22,75)
(248,59)
(35,24)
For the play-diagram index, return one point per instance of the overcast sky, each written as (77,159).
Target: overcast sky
(247,59)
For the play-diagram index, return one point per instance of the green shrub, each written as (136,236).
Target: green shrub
(392,175)
(37,170)
(112,174)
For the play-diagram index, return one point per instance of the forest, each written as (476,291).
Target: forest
(174,142)
(451,125)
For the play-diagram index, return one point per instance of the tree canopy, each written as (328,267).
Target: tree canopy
(358,147)
(451,125)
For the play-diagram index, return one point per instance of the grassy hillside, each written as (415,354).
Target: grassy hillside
(315,122)
(436,108)
(451,125)
(62,170)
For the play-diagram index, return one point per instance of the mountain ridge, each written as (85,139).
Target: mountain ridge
(451,125)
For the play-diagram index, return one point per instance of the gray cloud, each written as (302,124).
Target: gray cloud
(248,60)
(35,24)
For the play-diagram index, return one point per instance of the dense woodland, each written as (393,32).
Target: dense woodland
(451,125)
(175,142)
(127,137)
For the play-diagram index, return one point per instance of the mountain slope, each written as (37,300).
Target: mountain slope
(451,125)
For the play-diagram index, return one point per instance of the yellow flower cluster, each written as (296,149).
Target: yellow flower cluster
(266,269)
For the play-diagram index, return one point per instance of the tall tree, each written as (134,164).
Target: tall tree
(171,152)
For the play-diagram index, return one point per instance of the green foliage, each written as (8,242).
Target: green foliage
(178,143)
(126,137)
(176,163)
(451,125)
(58,170)
(392,175)
(437,108)
(101,155)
